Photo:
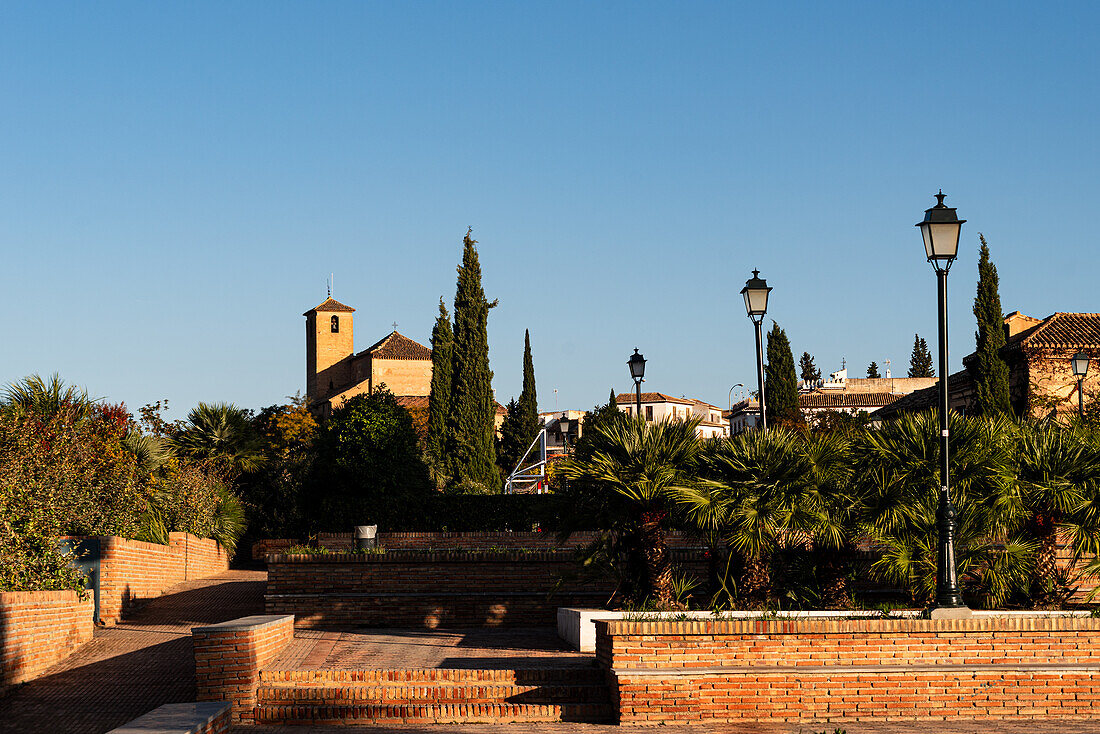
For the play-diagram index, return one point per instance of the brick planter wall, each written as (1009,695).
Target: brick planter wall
(39,629)
(132,571)
(851,670)
(229,656)
(420,589)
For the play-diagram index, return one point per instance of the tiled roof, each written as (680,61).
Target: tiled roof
(629,398)
(846,400)
(1060,331)
(397,346)
(411,402)
(925,398)
(330,304)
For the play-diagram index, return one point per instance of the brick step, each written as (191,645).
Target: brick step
(437,676)
(467,693)
(434,713)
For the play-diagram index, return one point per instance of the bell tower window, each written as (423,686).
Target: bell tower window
(335,324)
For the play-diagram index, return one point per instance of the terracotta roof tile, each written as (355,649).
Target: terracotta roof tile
(330,304)
(846,400)
(628,398)
(1061,331)
(397,346)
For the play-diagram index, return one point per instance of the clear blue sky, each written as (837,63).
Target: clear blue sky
(177,181)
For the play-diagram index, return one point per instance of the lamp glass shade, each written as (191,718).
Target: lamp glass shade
(940,229)
(756,292)
(941,239)
(1080,364)
(563,424)
(637,365)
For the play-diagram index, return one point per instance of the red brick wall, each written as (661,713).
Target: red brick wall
(38,629)
(229,656)
(419,589)
(132,571)
(840,670)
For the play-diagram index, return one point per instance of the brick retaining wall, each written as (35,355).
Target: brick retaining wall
(229,656)
(851,670)
(421,589)
(39,629)
(132,571)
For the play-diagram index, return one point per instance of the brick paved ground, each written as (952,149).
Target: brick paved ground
(477,649)
(134,667)
(922,727)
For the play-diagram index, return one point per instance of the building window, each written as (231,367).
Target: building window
(628,410)
(335,324)
(649,412)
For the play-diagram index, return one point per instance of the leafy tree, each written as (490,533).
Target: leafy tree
(369,467)
(511,446)
(807,369)
(439,401)
(47,398)
(872,370)
(920,361)
(781,385)
(612,402)
(989,370)
(641,466)
(528,398)
(471,450)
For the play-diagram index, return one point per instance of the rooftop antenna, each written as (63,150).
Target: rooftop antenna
(843,363)
(395,326)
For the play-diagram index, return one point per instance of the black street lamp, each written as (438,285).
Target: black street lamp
(563,426)
(1080,369)
(637,371)
(941,228)
(756,292)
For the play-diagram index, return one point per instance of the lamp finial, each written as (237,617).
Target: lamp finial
(940,196)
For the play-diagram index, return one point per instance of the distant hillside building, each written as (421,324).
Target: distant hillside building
(334,373)
(657,406)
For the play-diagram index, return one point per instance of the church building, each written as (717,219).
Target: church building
(335,373)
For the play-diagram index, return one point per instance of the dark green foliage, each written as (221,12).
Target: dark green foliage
(807,369)
(521,425)
(989,370)
(612,402)
(439,402)
(369,468)
(872,370)
(781,384)
(471,448)
(920,361)
(599,417)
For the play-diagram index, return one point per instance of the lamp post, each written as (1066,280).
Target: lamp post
(756,292)
(563,425)
(940,229)
(637,371)
(1080,369)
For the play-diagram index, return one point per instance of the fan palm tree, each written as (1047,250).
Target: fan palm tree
(220,432)
(642,466)
(47,398)
(897,470)
(746,497)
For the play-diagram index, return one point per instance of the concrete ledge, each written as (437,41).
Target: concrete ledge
(209,717)
(578,626)
(256,621)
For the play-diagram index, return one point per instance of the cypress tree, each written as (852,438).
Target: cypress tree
(872,370)
(781,383)
(521,425)
(920,361)
(528,398)
(471,450)
(808,369)
(439,401)
(989,370)
(611,401)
